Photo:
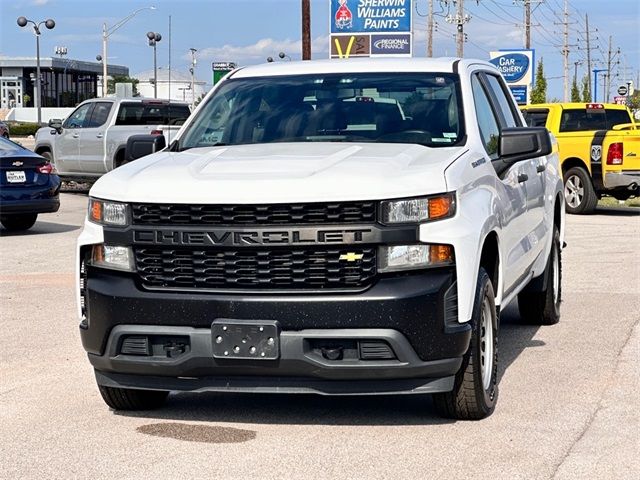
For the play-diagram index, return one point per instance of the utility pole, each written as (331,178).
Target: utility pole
(565,50)
(527,24)
(607,85)
(459,20)
(460,29)
(306,30)
(611,56)
(589,40)
(430,30)
(586,21)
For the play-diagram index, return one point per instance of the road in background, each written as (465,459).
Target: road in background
(568,406)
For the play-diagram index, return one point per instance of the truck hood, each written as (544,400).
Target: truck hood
(281,173)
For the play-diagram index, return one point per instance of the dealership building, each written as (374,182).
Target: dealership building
(65,82)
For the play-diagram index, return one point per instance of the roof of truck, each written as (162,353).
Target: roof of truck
(359,65)
(565,105)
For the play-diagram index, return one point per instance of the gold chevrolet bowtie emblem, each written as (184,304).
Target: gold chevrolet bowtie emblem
(351,257)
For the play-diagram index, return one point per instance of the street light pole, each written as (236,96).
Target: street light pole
(154,38)
(49,23)
(106,33)
(192,70)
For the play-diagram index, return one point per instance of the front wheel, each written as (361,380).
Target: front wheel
(20,222)
(579,194)
(129,399)
(475,389)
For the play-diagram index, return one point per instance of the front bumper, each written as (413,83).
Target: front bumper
(406,312)
(299,369)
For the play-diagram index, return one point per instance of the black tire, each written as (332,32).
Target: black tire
(579,194)
(129,399)
(47,154)
(5,135)
(473,398)
(20,222)
(543,307)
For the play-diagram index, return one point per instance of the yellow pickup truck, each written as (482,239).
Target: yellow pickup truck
(599,147)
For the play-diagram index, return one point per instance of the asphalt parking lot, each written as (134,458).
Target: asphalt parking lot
(569,394)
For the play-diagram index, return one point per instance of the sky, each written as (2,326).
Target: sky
(249,31)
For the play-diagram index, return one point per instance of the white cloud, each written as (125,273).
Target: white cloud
(260,50)
(40,2)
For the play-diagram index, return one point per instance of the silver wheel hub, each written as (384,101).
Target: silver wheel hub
(486,344)
(573,191)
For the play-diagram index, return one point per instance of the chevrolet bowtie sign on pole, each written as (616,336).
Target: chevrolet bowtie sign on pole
(370,28)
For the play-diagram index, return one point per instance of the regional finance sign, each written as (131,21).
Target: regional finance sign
(370,28)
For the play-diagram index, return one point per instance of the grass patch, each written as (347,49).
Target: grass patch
(612,202)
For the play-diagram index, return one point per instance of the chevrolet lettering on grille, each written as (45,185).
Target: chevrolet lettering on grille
(302,236)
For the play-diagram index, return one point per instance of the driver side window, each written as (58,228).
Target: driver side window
(80,117)
(487,122)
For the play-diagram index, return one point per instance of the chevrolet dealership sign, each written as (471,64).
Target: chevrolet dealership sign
(370,28)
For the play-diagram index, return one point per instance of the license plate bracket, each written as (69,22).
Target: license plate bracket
(245,339)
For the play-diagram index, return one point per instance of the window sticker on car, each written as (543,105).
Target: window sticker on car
(449,134)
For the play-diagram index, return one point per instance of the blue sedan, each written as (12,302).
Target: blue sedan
(28,186)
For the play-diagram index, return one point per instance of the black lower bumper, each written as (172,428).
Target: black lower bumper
(300,367)
(17,207)
(407,313)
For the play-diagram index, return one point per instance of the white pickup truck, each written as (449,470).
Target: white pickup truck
(91,141)
(303,235)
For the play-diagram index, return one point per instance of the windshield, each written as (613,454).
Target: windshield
(422,108)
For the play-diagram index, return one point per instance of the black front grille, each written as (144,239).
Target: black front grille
(267,268)
(275,214)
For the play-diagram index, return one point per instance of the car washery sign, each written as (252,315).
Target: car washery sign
(517,67)
(370,28)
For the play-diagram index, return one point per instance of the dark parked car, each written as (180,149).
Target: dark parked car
(4,130)
(28,186)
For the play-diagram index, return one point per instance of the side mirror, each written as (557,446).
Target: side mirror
(139,146)
(56,124)
(523,143)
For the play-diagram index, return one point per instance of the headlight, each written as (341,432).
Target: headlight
(112,256)
(408,257)
(416,210)
(107,213)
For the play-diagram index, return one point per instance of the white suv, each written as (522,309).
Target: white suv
(335,227)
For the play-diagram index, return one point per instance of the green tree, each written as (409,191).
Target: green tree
(586,93)
(111,83)
(539,90)
(633,101)
(575,91)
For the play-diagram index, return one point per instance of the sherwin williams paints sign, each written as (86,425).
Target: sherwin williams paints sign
(516,66)
(370,28)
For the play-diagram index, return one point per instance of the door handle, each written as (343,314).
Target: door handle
(522,177)
(541,167)
(76,135)
(99,135)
